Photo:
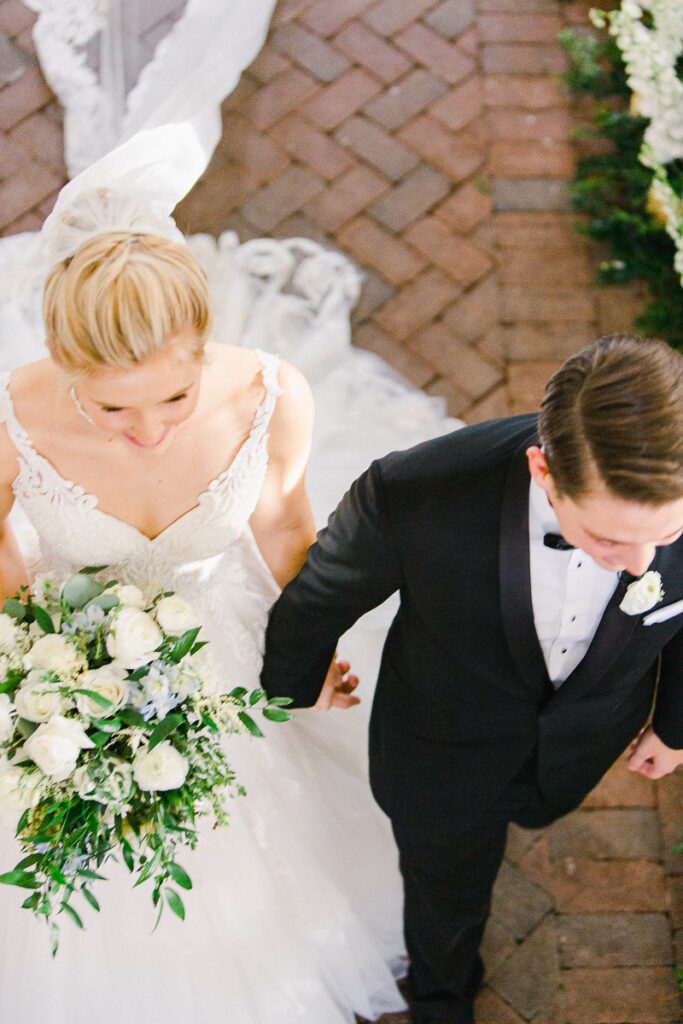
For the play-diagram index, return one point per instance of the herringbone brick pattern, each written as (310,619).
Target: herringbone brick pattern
(428,140)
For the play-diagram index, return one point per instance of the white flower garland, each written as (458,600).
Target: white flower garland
(650,55)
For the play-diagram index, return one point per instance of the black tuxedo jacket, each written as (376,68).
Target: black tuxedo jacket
(465,721)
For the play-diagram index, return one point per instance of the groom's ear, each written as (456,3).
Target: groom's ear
(538,467)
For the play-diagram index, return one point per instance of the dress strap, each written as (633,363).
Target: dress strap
(269,369)
(18,436)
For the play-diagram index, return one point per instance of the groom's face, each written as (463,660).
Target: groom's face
(616,533)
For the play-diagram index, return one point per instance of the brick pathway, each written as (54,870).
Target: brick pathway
(429,141)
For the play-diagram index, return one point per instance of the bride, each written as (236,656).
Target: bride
(142,444)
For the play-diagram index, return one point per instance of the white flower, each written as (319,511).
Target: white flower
(109,681)
(163,767)
(175,616)
(6,724)
(134,638)
(643,594)
(203,664)
(128,594)
(9,633)
(38,701)
(115,789)
(19,790)
(55,746)
(53,653)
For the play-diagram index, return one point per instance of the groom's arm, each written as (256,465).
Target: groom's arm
(353,567)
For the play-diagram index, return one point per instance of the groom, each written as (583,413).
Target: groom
(540,567)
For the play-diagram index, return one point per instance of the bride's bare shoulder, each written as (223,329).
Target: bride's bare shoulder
(31,388)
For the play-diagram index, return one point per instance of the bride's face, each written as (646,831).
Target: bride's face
(146,404)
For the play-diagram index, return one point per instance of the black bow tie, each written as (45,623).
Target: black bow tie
(557,542)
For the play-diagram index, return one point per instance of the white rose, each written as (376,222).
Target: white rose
(134,638)
(9,634)
(109,681)
(203,664)
(163,767)
(6,723)
(129,595)
(19,790)
(643,594)
(175,616)
(53,653)
(38,701)
(55,746)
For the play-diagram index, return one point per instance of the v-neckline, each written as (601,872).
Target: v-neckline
(92,499)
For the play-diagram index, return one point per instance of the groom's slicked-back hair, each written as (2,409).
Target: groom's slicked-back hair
(614,411)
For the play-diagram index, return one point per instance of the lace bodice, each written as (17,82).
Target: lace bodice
(74,531)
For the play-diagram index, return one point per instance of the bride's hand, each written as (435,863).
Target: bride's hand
(337,691)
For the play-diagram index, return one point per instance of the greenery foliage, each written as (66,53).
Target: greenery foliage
(612,187)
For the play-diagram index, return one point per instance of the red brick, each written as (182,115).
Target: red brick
(284,93)
(29,222)
(531,92)
(439,346)
(12,156)
(342,98)
(640,995)
(619,305)
(23,97)
(470,42)
(373,52)
(327,16)
(25,189)
(475,311)
(43,138)
(544,340)
(309,51)
(621,788)
(417,303)
(466,207)
(444,59)
(378,148)
(287,193)
(569,304)
(552,159)
(514,6)
(512,229)
(25,41)
(216,195)
(493,406)
(523,58)
(346,197)
(450,18)
(311,146)
(245,88)
(546,269)
(406,99)
(419,190)
(369,337)
(254,150)
(15,17)
(456,400)
(389,17)
(268,64)
(458,257)
(457,156)
(518,28)
(459,106)
(288,10)
(526,384)
(374,292)
(518,124)
(368,243)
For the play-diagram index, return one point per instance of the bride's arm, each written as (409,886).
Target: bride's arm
(282,521)
(12,569)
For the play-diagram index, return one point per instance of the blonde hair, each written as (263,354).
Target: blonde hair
(120,298)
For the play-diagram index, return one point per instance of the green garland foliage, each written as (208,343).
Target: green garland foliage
(612,188)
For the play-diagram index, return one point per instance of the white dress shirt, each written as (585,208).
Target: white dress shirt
(569,592)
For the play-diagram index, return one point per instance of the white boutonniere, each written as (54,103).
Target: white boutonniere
(643,594)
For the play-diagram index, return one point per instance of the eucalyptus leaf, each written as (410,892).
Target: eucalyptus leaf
(43,618)
(24,879)
(175,903)
(249,724)
(26,728)
(105,601)
(277,715)
(165,727)
(72,914)
(183,644)
(255,696)
(179,875)
(15,608)
(238,692)
(80,589)
(90,898)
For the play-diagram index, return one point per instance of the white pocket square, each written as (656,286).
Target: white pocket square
(662,614)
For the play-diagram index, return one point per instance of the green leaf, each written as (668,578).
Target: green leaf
(277,715)
(104,601)
(90,898)
(179,875)
(31,902)
(26,728)
(175,903)
(249,724)
(96,698)
(107,725)
(24,879)
(100,738)
(131,717)
(279,702)
(149,868)
(43,618)
(54,939)
(90,570)
(72,914)
(86,873)
(182,645)
(33,858)
(238,693)
(165,727)
(80,589)
(127,854)
(255,696)
(207,720)
(15,608)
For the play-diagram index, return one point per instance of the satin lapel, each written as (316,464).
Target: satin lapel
(515,578)
(613,633)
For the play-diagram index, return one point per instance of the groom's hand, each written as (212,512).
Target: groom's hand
(651,757)
(337,691)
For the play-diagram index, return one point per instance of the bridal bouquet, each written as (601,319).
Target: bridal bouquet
(110,738)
